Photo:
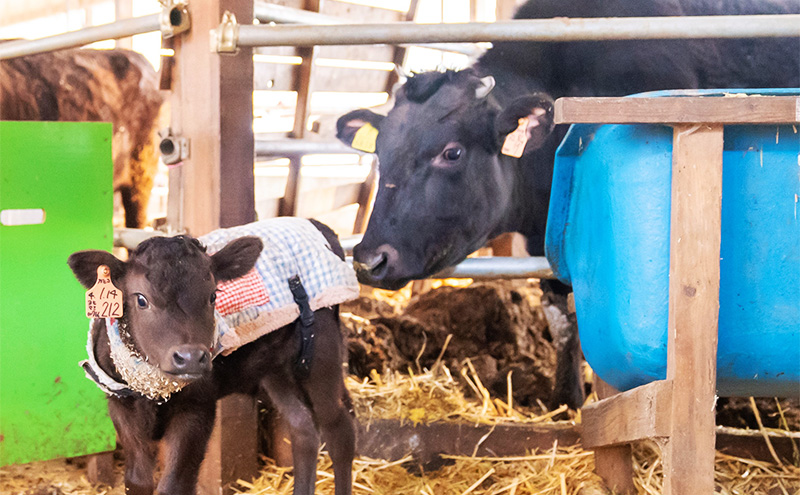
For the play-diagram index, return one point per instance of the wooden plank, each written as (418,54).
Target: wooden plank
(629,416)
(392,440)
(679,110)
(366,198)
(302,84)
(100,468)
(693,308)
(212,107)
(280,77)
(615,466)
(318,201)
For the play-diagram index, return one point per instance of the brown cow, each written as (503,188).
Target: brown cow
(117,86)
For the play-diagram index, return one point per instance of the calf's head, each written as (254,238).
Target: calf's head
(169,286)
(445,187)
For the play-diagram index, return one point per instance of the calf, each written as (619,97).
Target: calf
(117,86)
(446,183)
(169,358)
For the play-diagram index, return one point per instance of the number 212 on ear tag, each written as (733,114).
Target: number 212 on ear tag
(103,300)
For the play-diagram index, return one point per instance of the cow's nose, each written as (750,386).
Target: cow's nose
(190,359)
(374,266)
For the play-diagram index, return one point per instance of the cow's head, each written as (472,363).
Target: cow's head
(445,187)
(169,286)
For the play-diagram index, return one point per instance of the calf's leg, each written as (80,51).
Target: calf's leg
(189,425)
(330,401)
(134,420)
(288,397)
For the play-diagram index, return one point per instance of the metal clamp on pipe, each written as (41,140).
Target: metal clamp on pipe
(174,149)
(174,18)
(225,39)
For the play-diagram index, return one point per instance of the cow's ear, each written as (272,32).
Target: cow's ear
(237,258)
(537,109)
(84,265)
(359,129)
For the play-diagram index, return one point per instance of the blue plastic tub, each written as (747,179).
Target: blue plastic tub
(608,236)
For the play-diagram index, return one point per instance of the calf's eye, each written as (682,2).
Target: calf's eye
(141,301)
(213,298)
(452,154)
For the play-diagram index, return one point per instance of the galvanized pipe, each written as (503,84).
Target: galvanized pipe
(269,12)
(496,268)
(115,30)
(560,29)
(477,268)
(298,147)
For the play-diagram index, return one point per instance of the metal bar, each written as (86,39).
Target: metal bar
(269,12)
(477,268)
(298,147)
(561,29)
(494,268)
(115,30)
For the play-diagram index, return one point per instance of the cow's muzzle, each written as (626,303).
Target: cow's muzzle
(188,361)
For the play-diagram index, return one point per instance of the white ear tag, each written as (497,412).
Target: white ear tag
(515,142)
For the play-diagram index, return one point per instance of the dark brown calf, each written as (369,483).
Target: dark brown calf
(169,287)
(117,86)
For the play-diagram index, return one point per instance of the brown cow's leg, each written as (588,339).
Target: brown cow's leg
(134,420)
(287,396)
(330,400)
(189,426)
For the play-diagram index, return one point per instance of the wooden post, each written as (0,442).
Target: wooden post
(302,83)
(688,452)
(212,106)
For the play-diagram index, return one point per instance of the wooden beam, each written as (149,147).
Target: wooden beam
(212,106)
(302,84)
(736,109)
(693,307)
(629,416)
(392,439)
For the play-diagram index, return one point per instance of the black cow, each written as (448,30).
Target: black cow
(170,287)
(445,186)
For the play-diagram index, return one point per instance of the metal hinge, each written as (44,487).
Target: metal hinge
(174,17)
(225,38)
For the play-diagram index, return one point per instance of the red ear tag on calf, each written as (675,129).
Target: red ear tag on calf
(103,300)
(515,142)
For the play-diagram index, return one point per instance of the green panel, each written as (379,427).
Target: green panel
(48,408)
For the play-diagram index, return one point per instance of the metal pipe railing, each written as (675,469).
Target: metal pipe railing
(268,12)
(561,29)
(476,268)
(72,39)
(298,147)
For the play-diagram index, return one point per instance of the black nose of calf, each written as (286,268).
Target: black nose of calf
(189,359)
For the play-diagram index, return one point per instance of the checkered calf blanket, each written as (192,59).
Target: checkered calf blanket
(260,302)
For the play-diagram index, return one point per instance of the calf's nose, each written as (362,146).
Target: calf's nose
(189,359)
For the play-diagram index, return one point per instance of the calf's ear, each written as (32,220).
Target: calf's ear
(84,265)
(359,129)
(538,109)
(237,258)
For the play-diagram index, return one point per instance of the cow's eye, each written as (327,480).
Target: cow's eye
(213,297)
(141,301)
(452,154)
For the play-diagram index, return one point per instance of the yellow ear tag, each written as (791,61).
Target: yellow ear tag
(365,138)
(103,300)
(515,142)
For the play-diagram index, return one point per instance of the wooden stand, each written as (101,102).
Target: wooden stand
(678,412)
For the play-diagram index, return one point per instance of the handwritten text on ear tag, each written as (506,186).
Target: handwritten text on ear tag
(103,300)
(515,142)
(365,138)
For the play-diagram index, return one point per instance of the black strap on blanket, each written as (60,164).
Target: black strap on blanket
(304,323)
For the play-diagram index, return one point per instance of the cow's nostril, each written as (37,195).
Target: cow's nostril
(190,360)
